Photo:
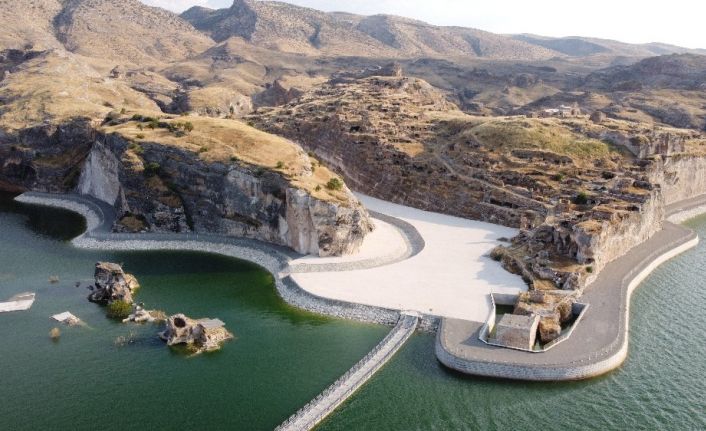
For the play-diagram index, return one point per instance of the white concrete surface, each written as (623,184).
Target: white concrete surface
(451,277)
(386,240)
(20,302)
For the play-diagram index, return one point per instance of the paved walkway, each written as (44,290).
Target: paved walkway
(599,342)
(452,276)
(442,270)
(336,394)
(415,260)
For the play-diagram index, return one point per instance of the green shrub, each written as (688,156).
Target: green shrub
(152,169)
(318,188)
(119,309)
(581,198)
(203,150)
(136,148)
(334,184)
(558,177)
(189,127)
(140,136)
(589,269)
(280,165)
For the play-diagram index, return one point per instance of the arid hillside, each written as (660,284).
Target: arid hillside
(587,46)
(295,29)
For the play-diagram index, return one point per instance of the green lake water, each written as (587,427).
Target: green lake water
(281,357)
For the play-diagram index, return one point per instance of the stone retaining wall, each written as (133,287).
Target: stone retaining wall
(596,364)
(274,259)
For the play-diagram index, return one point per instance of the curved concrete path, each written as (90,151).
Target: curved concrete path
(433,264)
(599,343)
(451,277)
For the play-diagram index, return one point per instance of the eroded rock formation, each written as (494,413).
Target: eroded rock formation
(170,189)
(140,315)
(552,309)
(112,284)
(201,335)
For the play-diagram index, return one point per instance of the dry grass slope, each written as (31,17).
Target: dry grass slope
(230,141)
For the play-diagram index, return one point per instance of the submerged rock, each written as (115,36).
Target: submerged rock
(67,319)
(202,335)
(112,284)
(140,315)
(19,302)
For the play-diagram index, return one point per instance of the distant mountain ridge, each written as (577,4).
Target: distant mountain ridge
(125,31)
(577,46)
(297,29)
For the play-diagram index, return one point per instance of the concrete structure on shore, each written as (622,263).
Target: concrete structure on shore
(598,344)
(452,276)
(519,332)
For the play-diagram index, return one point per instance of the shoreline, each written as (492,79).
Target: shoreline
(587,353)
(573,360)
(274,259)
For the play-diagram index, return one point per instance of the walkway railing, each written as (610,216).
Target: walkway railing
(325,403)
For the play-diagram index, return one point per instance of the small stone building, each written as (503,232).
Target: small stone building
(563,111)
(515,331)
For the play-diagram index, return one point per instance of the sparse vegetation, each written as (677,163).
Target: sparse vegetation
(225,141)
(119,309)
(540,135)
(334,184)
(152,169)
(581,198)
(135,147)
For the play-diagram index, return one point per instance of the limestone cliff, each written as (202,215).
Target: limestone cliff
(160,187)
(222,178)
(682,176)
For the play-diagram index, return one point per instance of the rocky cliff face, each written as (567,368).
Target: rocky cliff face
(44,158)
(681,176)
(170,189)
(162,188)
(100,175)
